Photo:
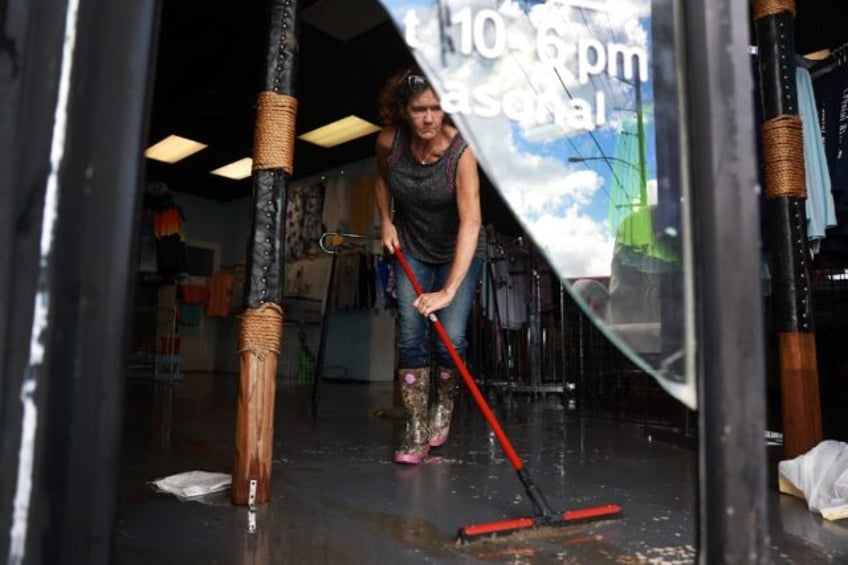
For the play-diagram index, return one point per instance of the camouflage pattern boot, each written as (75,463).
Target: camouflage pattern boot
(440,416)
(414,391)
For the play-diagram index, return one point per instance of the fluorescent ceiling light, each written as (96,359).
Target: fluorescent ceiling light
(236,170)
(173,148)
(340,131)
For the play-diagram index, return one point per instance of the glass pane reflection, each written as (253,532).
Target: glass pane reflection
(564,106)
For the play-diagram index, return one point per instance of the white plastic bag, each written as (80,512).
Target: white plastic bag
(192,484)
(820,476)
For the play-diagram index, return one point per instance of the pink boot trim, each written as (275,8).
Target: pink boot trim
(438,441)
(411,458)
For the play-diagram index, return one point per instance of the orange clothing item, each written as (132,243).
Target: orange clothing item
(195,294)
(362,202)
(168,222)
(220,295)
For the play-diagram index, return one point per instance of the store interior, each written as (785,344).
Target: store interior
(593,426)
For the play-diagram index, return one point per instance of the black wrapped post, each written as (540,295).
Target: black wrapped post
(260,334)
(786,192)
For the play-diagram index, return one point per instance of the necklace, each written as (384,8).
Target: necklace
(423,159)
(425,152)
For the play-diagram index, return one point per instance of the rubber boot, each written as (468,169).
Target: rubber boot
(414,391)
(440,416)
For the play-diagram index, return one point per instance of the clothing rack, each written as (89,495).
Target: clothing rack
(333,243)
(337,242)
(836,59)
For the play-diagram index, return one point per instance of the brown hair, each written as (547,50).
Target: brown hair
(394,95)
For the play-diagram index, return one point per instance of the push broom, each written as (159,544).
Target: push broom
(543,515)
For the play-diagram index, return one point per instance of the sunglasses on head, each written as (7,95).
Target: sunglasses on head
(417,82)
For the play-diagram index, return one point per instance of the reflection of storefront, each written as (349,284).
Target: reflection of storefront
(519,321)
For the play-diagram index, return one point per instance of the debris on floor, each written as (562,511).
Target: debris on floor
(193,484)
(820,477)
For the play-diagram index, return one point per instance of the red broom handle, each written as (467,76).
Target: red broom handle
(463,370)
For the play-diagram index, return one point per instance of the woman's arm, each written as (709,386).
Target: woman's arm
(468,205)
(381,188)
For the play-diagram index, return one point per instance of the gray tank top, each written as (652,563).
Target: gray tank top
(424,199)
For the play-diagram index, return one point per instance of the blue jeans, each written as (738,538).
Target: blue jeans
(415,336)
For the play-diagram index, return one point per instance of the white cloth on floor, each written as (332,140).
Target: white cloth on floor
(820,476)
(192,484)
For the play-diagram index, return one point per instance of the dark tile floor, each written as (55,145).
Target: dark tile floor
(337,497)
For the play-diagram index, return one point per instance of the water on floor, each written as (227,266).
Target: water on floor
(338,498)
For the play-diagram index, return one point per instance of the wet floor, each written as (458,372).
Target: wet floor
(337,497)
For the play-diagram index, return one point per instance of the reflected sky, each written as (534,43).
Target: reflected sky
(528,84)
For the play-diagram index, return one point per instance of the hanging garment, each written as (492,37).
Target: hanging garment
(831,99)
(337,204)
(308,278)
(191,314)
(347,281)
(239,282)
(820,207)
(366,298)
(313,226)
(220,294)
(385,276)
(194,294)
(171,257)
(511,287)
(147,243)
(304,209)
(293,243)
(362,202)
(168,221)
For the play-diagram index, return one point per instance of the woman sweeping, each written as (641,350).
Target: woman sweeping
(428,197)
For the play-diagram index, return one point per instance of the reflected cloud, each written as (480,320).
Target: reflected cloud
(549,198)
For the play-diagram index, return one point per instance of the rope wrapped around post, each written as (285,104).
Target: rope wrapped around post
(260,337)
(261,331)
(783,148)
(273,143)
(261,325)
(765,8)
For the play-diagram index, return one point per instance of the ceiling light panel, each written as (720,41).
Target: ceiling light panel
(173,149)
(236,170)
(340,131)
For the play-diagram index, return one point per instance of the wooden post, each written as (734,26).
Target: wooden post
(260,334)
(786,192)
